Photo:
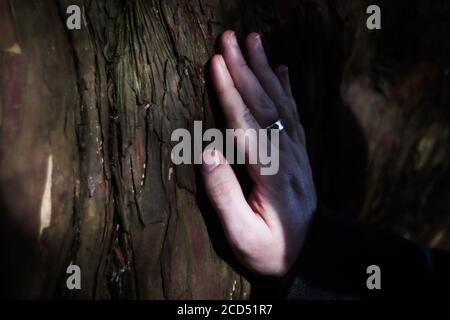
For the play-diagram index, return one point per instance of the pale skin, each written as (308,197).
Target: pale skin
(266,230)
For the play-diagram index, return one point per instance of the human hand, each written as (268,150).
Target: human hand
(267,230)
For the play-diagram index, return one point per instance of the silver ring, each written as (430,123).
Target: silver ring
(278,125)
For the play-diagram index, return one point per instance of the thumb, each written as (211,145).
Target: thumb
(225,194)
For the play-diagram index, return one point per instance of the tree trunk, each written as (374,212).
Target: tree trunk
(86,118)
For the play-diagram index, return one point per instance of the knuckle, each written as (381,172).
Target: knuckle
(264,102)
(241,118)
(242,63)
(289,109)
(247,116)
(222,189)
(287,175)
(285,102)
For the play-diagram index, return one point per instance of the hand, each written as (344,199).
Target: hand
(267,230)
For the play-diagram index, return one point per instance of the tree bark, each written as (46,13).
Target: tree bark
(86,118)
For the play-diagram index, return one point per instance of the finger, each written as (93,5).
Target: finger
(253,94)
(269,81)
(225,194)
(260,66)
(290,108)
(282,73)
(236,112)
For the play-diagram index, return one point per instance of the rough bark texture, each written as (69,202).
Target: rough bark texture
(86,118)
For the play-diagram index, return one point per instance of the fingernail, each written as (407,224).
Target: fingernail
(233,39)
(258,41)
(284,69)
(222,62)
(211,161)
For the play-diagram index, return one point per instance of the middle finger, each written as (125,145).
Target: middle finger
(257,100)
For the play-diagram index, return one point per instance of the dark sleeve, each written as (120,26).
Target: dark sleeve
(338,250)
